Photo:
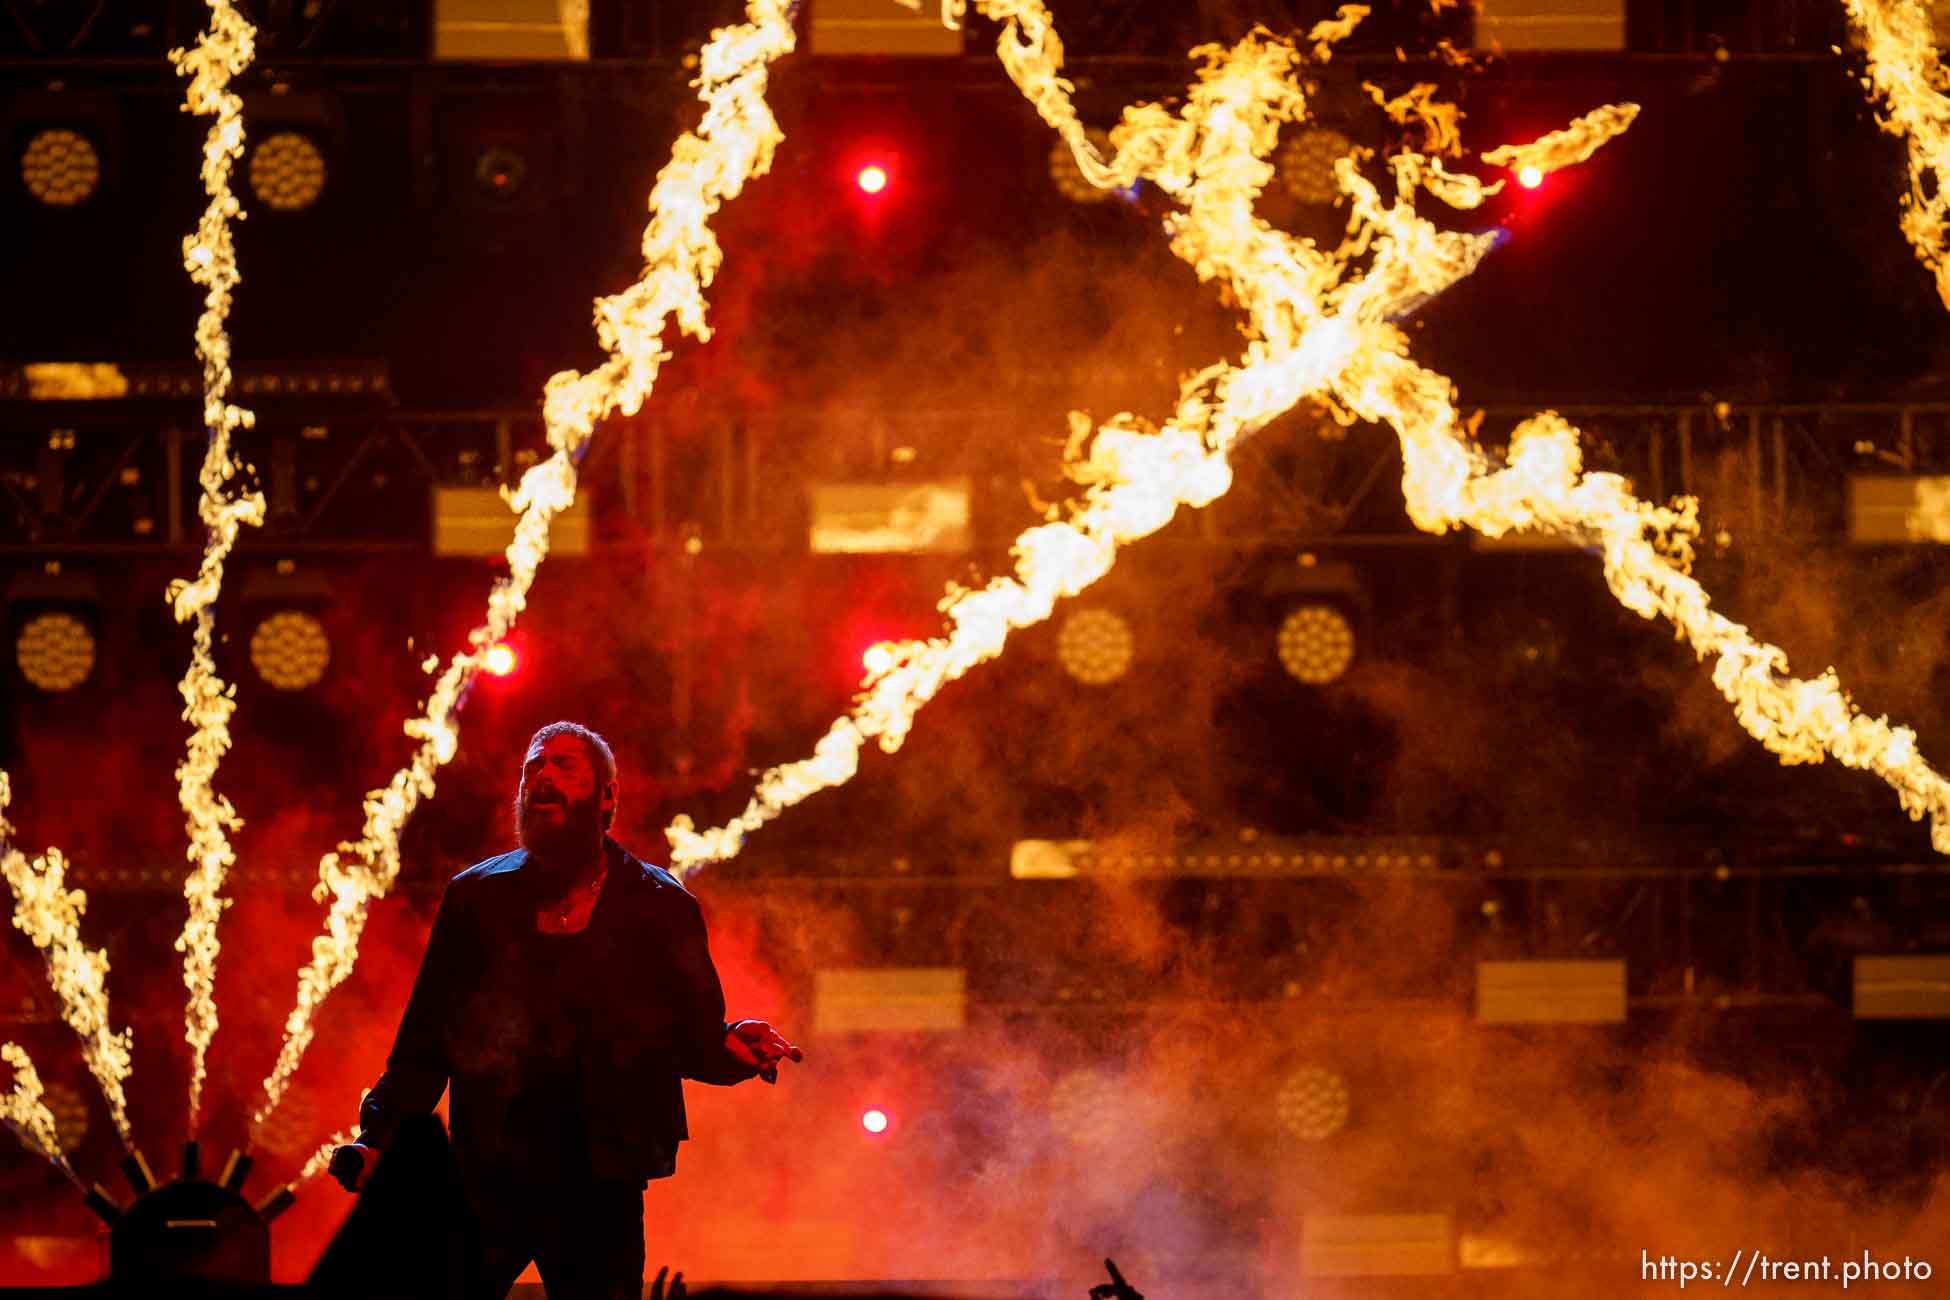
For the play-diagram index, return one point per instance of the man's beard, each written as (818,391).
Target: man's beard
(563,846)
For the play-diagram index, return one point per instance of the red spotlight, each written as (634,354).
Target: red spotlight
(502,659)
(1530,177)
(872,179)
(874,1120)
(878,657)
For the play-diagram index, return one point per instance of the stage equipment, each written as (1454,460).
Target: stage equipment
(64,146)
(1377,1245)
(1523,25)
(892,518)
(1323,606)
(877,27)
(189,1228)
(1305,163)
(1906,508)
(476,522)
(53,616)
(287,171)
(1312,1104)
(540,31)
(1902,988)
(918,999)
(1095,646)
(1249,855)
(289,646)
(1550,992)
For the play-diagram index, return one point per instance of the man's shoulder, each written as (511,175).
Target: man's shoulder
(494,866)
(654,876)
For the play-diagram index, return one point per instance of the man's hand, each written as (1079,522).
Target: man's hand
(760,1046)
(353,1165)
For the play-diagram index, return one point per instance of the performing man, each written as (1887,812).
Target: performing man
(566,991)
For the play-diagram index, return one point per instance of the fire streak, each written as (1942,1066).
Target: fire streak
(1567,147)
(1306,317)
(23,1111)
(1900,40)
(733,143)
(50,915)
(1318,327)
(221,54)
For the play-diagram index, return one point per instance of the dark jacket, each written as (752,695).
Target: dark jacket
(564,1052)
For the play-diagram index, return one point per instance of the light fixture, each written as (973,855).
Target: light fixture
(874,1120)
(872,179)
(1316,643)
(61,167)
(1530,176)
(1095,646)
(1088,1106)
(287,171)
(55,650)
(500,172)
(501,659)
(1305,162)
(290,650)
(1312,1104)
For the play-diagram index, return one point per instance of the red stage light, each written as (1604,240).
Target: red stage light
(1530,177)
(874,1120)
(502,659)
(878,657)
(872,179)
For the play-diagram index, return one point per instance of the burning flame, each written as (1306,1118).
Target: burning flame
(733,143)
(1559,149)
(50,915)
(1905,72)
(221,54)
(23,1111)
(1319,326)
(1306,318)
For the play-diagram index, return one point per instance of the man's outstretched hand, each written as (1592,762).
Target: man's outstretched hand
(760,1046)
(352,1165)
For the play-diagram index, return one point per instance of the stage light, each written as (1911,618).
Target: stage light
(500,172)
(1305,163)
(502,659)
(55,650)
(1096,646)
(287,171)
(872,179)
(61,167)
(1312,1104)
(874,1120)
(1530,177)
(879,657)
(290,650)
(1316,643)
(1087,1106)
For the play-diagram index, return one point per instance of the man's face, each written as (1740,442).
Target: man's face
(559,807)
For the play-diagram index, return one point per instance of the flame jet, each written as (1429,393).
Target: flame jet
(23,1111)
(1447,482)
(50,915)
(1307,316)
(209,254)
(1905,72)
(733,143)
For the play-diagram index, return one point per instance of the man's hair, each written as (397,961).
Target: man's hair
(601,757)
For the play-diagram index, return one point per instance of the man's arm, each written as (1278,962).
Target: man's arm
(698,1000)
(417,1067)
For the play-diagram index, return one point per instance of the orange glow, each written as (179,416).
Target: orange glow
(1530,177)
(501,659)
(874,1121)
(872,179)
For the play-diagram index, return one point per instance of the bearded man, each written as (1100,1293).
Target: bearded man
(566,990)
